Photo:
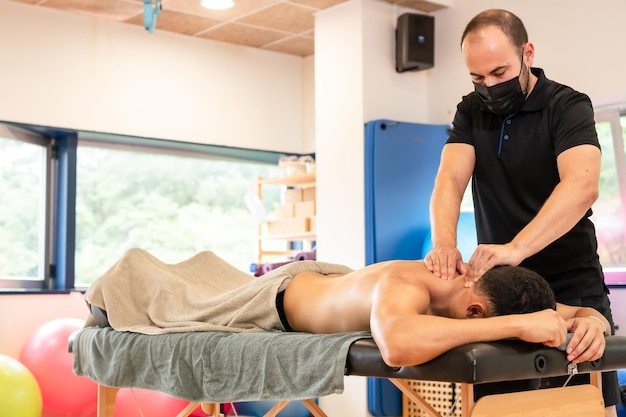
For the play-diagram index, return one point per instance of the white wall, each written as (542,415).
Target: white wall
(73,71)
(356,82)
(339,127)
(388,94)
(65,70)
(308,108)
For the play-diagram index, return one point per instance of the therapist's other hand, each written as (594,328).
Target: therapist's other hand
(486,257)
(445,262)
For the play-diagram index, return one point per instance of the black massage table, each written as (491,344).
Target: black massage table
(468,365)
(485,362)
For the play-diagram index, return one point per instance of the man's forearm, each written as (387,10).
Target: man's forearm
(445,207)
(455,171)
(588,312)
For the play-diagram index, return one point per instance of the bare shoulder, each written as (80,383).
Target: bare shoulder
(402,288)
(399,276)
(399,265)
(404,269)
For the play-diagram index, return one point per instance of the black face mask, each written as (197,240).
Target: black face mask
(505,98)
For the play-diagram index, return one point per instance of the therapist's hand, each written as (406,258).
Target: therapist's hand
(445,263)
(486,257)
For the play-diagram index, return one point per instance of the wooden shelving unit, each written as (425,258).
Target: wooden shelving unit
(306,237)
(302,180)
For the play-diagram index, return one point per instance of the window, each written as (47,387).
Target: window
(74,202)
(24,191)
(610,210)
(171,203)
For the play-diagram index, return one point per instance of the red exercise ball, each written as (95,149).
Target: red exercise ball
(137,402)
(46,355)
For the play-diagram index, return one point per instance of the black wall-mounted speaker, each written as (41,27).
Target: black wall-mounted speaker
(415,42)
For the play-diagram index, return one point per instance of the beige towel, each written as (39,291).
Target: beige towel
(204,293)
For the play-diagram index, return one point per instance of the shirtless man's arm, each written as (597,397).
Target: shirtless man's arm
(588,327)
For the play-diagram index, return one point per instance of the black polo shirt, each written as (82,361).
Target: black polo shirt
(516,171)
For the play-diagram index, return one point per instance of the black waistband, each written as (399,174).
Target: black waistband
(281,311)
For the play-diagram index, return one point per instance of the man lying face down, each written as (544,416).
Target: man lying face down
(414,317)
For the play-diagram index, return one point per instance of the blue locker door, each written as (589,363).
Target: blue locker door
(401,162)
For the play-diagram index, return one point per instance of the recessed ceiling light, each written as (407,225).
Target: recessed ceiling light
(217,4)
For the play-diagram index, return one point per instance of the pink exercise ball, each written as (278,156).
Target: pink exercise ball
(46,354)
(20,395)
(137,402)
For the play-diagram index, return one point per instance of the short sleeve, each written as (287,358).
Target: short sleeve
(461,131)
(572,121)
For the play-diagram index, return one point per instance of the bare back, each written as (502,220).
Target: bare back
(318,303)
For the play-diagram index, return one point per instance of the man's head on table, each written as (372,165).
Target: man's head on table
(506,290)
(415,316)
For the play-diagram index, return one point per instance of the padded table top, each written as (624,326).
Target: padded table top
(484,362)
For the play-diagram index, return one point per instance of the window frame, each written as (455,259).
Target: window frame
(60,200)
(613,115)
(17,133)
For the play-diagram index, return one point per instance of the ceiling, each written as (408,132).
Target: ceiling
(280,25)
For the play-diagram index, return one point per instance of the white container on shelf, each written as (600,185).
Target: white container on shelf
(291,166)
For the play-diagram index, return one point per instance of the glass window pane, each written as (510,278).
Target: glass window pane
(22,209)
(609,211)
(170,205)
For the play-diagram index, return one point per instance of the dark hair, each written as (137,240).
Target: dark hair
(515,290)
(506,21)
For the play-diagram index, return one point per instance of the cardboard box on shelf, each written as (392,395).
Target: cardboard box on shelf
(304,209)
(292,195)
(308,194)
(313,224)
(288,225)
(285,210)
